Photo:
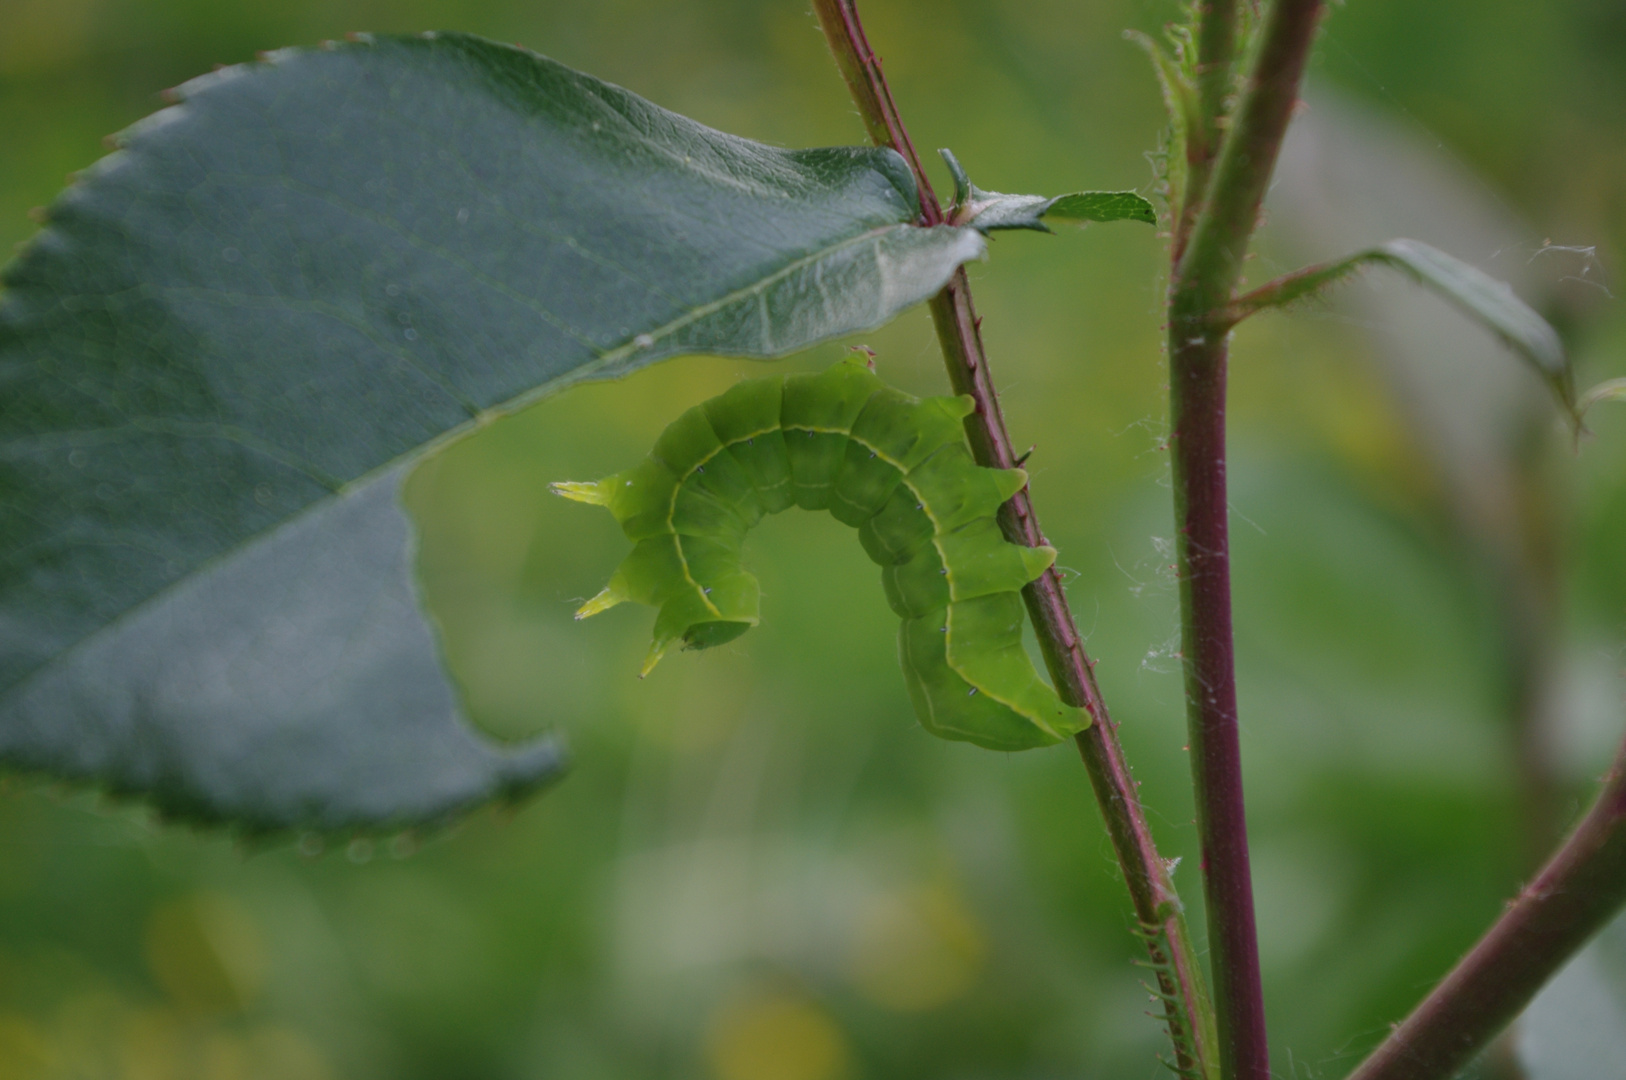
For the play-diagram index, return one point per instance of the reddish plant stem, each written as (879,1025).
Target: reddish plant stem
(1202,285)
(1157,906)
(1202,546)
(1574,895)
(861,69)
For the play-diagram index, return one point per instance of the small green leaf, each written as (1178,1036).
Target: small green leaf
(1481,297)
(1102,206)
(223,354)
(986,211)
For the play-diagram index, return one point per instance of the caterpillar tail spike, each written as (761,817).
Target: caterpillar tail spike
(606,599)
(895,467)
(577,491)
(653,657)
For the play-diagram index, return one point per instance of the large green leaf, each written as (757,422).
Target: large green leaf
(237,331)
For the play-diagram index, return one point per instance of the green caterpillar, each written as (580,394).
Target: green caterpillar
(895,466)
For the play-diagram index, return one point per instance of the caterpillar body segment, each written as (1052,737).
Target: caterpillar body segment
(746,419)
(894,466)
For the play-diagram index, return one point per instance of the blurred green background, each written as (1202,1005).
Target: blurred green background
(761,868)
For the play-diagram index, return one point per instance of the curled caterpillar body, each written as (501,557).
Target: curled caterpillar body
(894,466)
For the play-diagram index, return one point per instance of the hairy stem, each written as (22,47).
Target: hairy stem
(1573,896)
(1216,61)
(1157,906)
(1204,279)
(1216,56)
(1197,444)
(1208,270)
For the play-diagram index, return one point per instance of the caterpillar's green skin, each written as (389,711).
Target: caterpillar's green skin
(894,466)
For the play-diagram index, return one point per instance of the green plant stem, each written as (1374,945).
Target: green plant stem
(1216,55)
(1216,61)
(1573,896)
(1156,904)
(1211,265)
(1204,278)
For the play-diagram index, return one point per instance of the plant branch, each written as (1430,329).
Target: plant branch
(1156,904)
(1212,264)
(861,68)
(1216,55)
(1576,893)
(1215,64)
(1204,278)
(1288,289)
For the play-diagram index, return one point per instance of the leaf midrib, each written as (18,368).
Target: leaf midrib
(480,419)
